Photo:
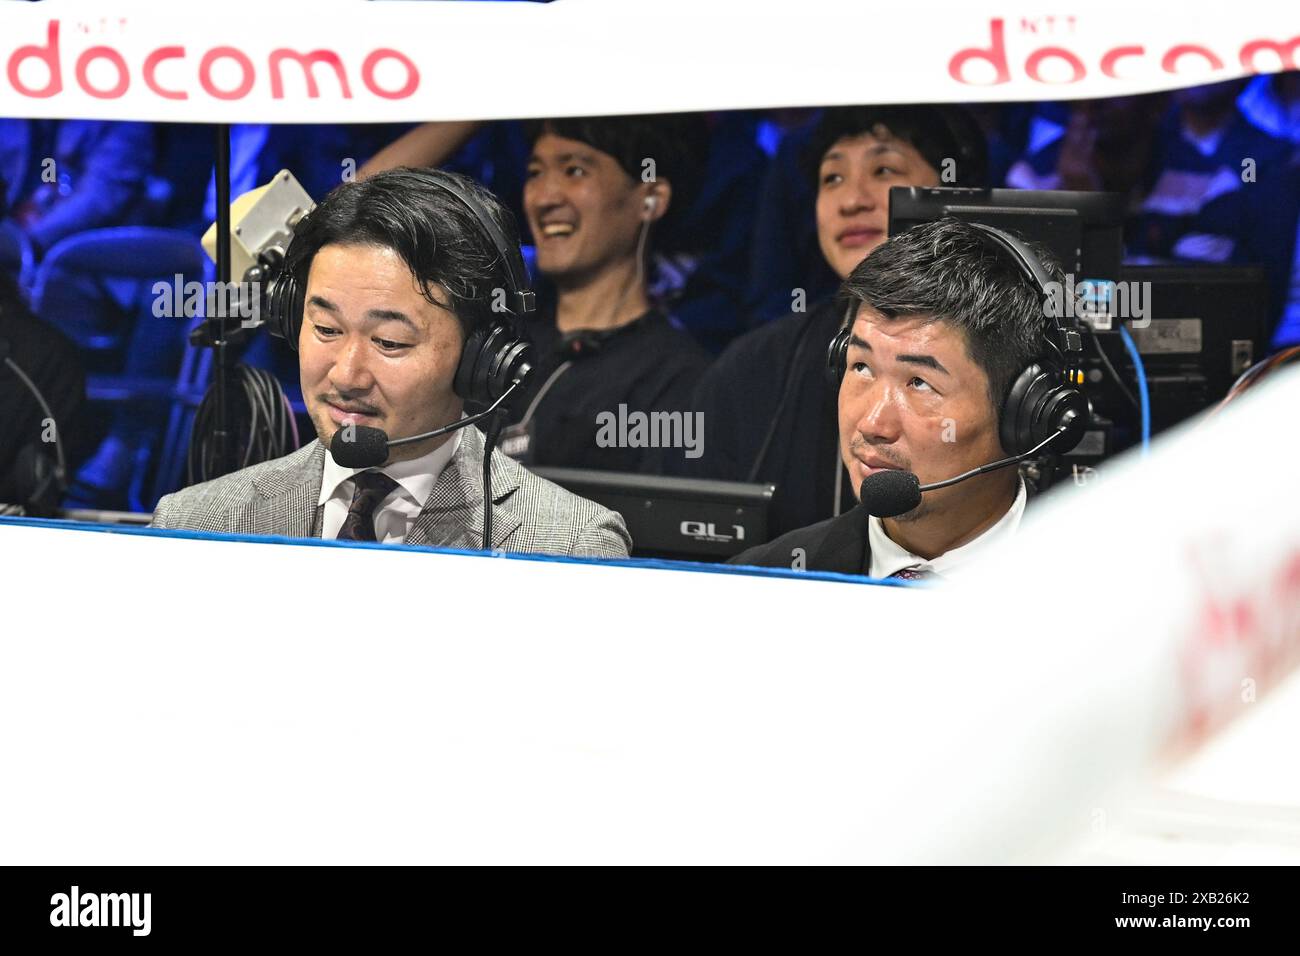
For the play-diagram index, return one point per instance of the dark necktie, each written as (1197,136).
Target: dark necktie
(372,487)
(915,574)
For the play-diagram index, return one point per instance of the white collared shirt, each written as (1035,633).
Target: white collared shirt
(888,558)
(395,514)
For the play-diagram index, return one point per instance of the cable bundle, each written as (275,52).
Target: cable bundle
(262,425)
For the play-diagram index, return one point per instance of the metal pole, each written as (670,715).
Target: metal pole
(221,437)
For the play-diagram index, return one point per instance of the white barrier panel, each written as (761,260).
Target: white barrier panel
(346,705)
(241,61)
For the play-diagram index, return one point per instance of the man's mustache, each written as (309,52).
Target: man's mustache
(880,451)
(360,409)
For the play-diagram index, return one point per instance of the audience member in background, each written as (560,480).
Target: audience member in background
(1205,184)
(701,252)
(702,257)
(51,361)
(67,176)
(1273,104)
(603,347)
(494,153)
(767,411)
(784,252)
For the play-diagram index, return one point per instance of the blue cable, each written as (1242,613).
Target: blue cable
(1144,399)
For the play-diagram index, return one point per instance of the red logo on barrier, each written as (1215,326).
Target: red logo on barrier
(50,55)
(1171,61)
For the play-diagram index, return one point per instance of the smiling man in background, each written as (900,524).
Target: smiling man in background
(594,192)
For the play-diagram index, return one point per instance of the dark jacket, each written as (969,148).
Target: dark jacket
(770,388)
(836,544)
(648,365)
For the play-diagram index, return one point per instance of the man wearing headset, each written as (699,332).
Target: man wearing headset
(394,286)
(947,329)
(767,414)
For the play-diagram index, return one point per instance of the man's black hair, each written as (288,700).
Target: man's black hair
(936,132)
(947,271)
(677,142)
(438,238)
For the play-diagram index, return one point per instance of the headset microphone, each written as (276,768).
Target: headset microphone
(893,492)
(360,446)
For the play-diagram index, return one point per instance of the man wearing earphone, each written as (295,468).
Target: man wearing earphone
(396,293)
(951,363)
(596,189)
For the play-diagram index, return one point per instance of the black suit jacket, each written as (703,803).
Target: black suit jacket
(836,544)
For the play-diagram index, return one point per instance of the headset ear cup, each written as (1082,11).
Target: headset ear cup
(491,361)
(1016,423)
(1038,405)
(284,306)
(1067,407)
(837,358)
(467,371)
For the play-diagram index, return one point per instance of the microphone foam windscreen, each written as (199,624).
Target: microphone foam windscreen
(359,447)
(886,494)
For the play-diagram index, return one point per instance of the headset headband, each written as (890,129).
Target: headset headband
(1065,343)
(523,299)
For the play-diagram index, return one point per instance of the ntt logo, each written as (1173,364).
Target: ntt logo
(41,70)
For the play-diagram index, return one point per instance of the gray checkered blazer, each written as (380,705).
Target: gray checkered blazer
(531,514)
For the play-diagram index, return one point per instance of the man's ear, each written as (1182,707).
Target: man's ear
(657,198)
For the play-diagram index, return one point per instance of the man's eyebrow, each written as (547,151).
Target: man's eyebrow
(926,361)
(588,158)
(885,148)
(876,150)
(374,315)
(391,315)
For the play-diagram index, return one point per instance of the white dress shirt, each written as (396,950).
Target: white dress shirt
(888,558)
(395,514)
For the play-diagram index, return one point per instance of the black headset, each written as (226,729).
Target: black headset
(1045,396)
(494,352)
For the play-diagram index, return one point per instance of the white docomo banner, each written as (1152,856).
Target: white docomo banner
(358,61)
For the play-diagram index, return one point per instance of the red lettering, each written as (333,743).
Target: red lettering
(49,54)
(151,65)
(1038,56)
(1170,61)
(368,74)
(1285,53)
(307,62)
(1114,56)
(995,53)
(106,53)
(221,53)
